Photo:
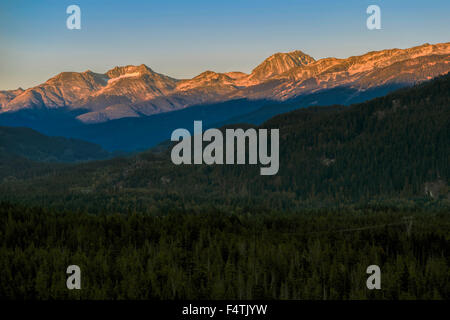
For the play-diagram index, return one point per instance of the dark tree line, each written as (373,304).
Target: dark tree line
(317,254)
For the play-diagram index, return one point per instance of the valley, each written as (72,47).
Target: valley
(384,150)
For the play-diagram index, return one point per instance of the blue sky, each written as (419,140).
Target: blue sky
(185,38)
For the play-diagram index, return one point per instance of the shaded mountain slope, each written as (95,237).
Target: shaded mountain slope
(32,145)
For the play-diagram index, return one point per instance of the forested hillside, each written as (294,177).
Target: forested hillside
(32,145)
(394,148)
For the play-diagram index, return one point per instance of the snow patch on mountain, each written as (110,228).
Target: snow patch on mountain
(127,75)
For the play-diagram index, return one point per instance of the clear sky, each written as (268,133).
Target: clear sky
(184,38)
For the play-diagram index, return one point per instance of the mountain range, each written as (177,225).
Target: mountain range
(101,107)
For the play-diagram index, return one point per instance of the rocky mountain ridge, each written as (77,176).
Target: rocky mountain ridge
(135,91)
